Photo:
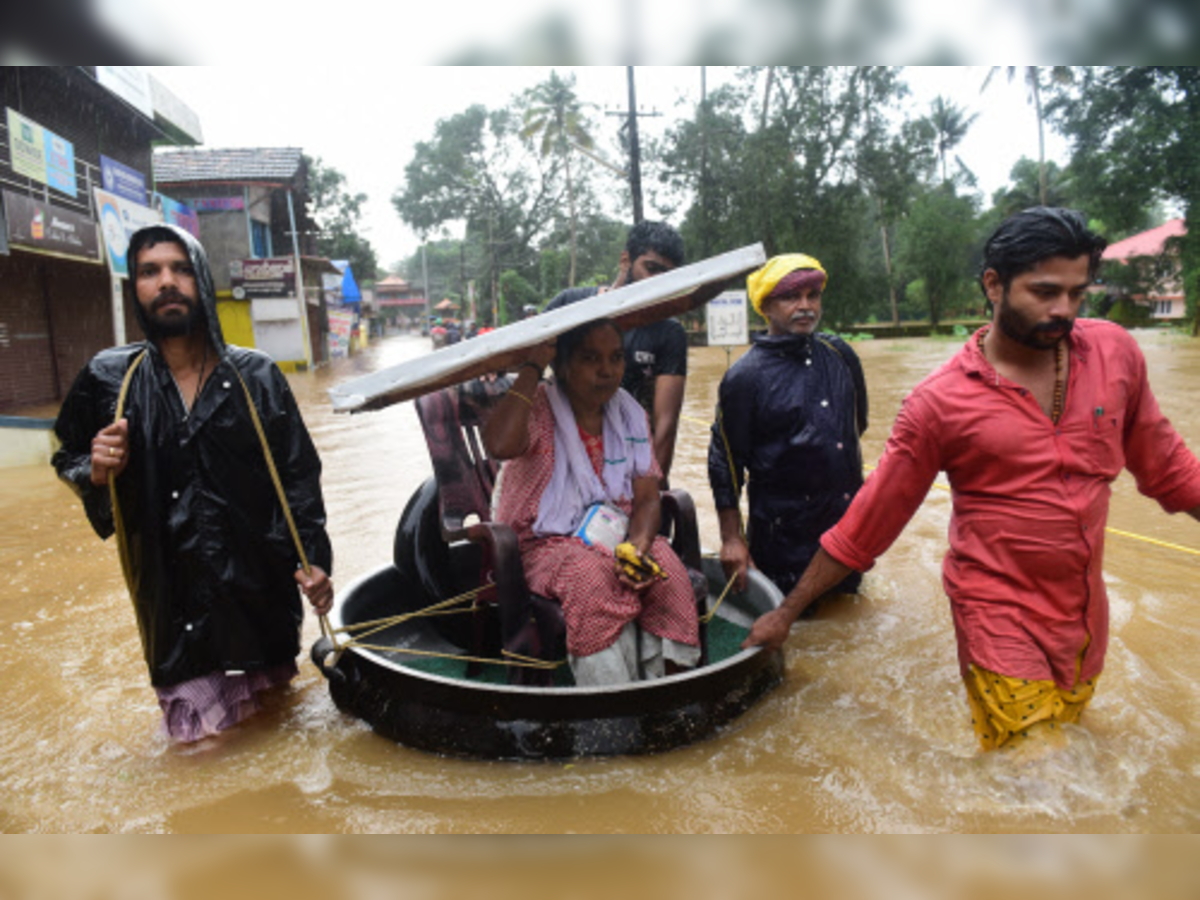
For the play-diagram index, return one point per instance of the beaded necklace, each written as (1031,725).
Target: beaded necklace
(1060,383)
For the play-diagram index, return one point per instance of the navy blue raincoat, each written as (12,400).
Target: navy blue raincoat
(789,417)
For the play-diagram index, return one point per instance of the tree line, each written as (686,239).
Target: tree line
(836,161)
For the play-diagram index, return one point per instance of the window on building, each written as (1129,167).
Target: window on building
(260,238)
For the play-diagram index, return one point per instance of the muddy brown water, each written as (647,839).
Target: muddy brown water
(869,733)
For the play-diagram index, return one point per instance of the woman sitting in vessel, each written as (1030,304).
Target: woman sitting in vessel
(580,489)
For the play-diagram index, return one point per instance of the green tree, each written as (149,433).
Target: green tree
(950,124)
(785,163)
(935,243)
(476,170)
(338,214)
(515,293)
(1026,187)
(553,112)
(1033,78)
(1135,133)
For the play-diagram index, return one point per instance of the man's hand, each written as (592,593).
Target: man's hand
(318,589)
(770,630)
(735,560)
(110,452)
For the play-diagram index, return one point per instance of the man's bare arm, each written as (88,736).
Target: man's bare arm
(668,402)
(771,629)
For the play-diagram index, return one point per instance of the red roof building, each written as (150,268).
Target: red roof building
(1168,301)
(394,291)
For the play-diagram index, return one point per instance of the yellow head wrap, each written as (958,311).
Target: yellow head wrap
(762,281)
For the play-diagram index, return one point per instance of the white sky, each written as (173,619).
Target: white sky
(365,120)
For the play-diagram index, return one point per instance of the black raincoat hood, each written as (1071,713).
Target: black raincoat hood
(204,280)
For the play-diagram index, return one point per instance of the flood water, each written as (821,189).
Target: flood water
(870,731)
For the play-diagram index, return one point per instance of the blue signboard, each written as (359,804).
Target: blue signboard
(121,180)
(60,163)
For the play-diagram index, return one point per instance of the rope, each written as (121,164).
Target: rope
(118,519)
(516,660)
(438,609)
(705,619)
(1166,545)
(283,501)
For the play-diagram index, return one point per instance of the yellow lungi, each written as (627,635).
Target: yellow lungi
(1003,707)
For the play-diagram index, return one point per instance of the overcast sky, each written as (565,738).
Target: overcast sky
(365,120)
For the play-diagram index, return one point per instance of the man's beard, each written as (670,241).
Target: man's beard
(174,325)
(1043,336)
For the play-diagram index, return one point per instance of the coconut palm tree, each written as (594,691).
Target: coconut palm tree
(1032,75)
(950,124)
(553,111)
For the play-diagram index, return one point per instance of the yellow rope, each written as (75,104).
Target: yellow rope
(516,660)
(704,620)
(283,501)
(376,625)
(1154,541)
(118,519)
(1166,545)
(438,609)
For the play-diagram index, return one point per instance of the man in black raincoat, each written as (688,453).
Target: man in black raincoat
(213,566)
(790,414)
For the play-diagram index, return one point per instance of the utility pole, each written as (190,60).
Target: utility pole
(705,190)
(425,279)
(635,154)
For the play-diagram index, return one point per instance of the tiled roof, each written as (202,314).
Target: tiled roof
(1148,243)
(181,166)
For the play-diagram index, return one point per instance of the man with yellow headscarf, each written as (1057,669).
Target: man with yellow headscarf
(789,417)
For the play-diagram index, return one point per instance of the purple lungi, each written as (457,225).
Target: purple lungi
(205,706)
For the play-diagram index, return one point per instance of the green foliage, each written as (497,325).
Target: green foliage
(553,266)
(950,124)
(1025,188)
(552,111)
(476,170)
(1135,133)
(934,248)
(1129,314)
(338,214)
(515,292)
(801,158)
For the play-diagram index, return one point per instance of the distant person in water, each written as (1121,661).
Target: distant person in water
(1031,421)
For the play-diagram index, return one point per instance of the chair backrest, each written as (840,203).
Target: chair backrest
(453,420)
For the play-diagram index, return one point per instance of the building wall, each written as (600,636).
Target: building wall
(225,236)
(236,324)
(25,346)
(56,313)
(81,324)
(73,106)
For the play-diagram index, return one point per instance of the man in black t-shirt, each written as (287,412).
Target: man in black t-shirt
(655,355)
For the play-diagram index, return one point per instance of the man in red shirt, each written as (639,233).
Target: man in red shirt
(1031,421)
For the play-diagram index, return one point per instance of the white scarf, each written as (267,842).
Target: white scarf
(574,486)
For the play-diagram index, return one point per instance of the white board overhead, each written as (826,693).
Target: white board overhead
(640,303)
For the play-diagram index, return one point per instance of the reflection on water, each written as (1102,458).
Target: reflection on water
(869,733)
